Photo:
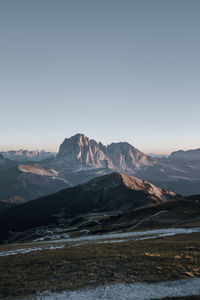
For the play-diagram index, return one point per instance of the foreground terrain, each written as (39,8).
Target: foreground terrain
(148,256)
(106,239)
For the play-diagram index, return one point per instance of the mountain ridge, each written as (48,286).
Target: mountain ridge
(27,155)
(187,155)
(80,159)
(111,192)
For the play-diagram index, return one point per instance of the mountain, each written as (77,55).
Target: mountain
(25,155)
(20,183)
(81,152)
(127,158)
(113,192)
(157,155)
(80,159)
(23,182)
(187,155)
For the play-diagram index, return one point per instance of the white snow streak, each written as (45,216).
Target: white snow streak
(136,291)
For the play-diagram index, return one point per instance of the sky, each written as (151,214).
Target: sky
(115,70)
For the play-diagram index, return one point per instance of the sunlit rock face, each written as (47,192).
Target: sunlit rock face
(39,170)
(80,151)
(125,157)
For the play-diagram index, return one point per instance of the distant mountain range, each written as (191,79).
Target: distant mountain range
(112,192)
(32,174)
(80,159)
(188,155)
(26,155)
(22,182)
(158,155)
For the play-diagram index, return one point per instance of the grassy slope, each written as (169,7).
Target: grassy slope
(96,264)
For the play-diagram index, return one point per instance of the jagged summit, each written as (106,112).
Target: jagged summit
(125,157)
(79,137)
(79,151)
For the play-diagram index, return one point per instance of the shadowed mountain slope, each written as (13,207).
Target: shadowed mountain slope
(27,182)
(111,192)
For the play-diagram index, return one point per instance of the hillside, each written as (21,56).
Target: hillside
(113,192)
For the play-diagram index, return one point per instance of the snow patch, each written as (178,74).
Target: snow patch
(136,291)
(28,250)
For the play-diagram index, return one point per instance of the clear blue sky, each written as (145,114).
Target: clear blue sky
(116,70)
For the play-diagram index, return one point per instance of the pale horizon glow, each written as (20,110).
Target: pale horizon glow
(114,70)
(52,148)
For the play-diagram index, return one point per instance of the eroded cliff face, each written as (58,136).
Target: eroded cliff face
(79,151)
(125,157)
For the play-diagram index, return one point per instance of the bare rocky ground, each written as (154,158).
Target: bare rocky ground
(96,263)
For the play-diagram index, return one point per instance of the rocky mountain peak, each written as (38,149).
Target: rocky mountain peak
(79,151)
(80,138)
(125,157)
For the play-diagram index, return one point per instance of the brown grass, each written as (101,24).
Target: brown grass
(97,264)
